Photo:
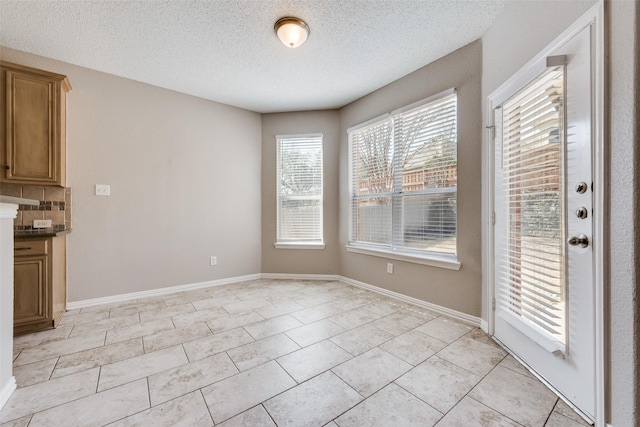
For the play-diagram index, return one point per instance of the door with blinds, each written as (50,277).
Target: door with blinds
(544,282)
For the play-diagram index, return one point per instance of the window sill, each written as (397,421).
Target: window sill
(298,245)
(431,260)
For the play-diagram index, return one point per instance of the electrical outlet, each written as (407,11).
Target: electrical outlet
(41,223)
(389,268)
(213,260)
(103,190)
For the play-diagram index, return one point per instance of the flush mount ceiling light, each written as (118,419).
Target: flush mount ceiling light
(292,32)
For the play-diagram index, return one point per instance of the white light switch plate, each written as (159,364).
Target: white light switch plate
(41,223)
(103,190)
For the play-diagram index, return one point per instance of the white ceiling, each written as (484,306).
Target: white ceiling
(227,51)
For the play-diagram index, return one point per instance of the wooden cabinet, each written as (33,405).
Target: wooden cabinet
(40,283)
(33,135)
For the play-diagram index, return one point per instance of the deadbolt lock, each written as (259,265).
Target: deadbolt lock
(581,187)
(582,212)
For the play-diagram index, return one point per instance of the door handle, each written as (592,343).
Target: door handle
(581,240)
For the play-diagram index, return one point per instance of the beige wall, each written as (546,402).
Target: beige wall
(457,290)
(306,261)
(185,185)
(623,330)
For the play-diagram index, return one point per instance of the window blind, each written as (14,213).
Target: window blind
(404,179)
(372,183)
(532,274)
(299,198)
(427,140)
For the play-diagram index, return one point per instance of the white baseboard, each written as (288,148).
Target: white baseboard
(287,276)
(7,391)
(484,325)
(161,291)
(457,315)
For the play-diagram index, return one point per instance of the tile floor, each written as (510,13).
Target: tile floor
(272,353)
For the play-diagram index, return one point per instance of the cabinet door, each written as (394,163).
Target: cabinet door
(30,301)
(32,133)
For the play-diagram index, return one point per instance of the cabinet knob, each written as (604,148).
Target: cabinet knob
(7,167)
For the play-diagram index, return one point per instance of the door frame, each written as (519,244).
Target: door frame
(595,17)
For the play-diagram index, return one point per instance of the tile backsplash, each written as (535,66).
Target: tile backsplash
(55,204)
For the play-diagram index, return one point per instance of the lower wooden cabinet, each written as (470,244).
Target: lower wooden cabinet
(40,283)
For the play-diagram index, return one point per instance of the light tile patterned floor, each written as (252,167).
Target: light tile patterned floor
(272,353)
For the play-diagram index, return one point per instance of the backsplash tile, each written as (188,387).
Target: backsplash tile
(28,217)
(52,194)
(55,204)
(11,190)
(29,192)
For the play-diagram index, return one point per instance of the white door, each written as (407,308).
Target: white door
(544,264)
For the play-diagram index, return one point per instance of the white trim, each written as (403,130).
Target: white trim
(443,94)
(402,253)
(289,276)
(8,210)
(542,339)
(157,292)
(484,326)
(595,17)
(432,260)
(519,80)
(7,391)
(457,315)
(538,63)
(385,116)
(300,135)
(311,138)
(298,245)
(487,213)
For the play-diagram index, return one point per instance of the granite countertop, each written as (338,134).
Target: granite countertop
(40,232)
(34,233)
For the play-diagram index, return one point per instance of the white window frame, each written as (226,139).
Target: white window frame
(417,256)
(299,243)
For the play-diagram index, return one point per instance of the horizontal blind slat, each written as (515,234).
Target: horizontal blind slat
(403,171)
(300,193)
(532,273)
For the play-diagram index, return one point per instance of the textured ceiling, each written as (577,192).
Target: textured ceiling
(227,51)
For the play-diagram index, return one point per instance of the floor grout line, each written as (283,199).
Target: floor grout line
(255,291)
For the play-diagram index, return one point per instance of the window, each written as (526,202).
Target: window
(299,198)
(529,189)
(404,181)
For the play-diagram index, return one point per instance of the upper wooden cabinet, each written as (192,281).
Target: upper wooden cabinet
(34,125)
